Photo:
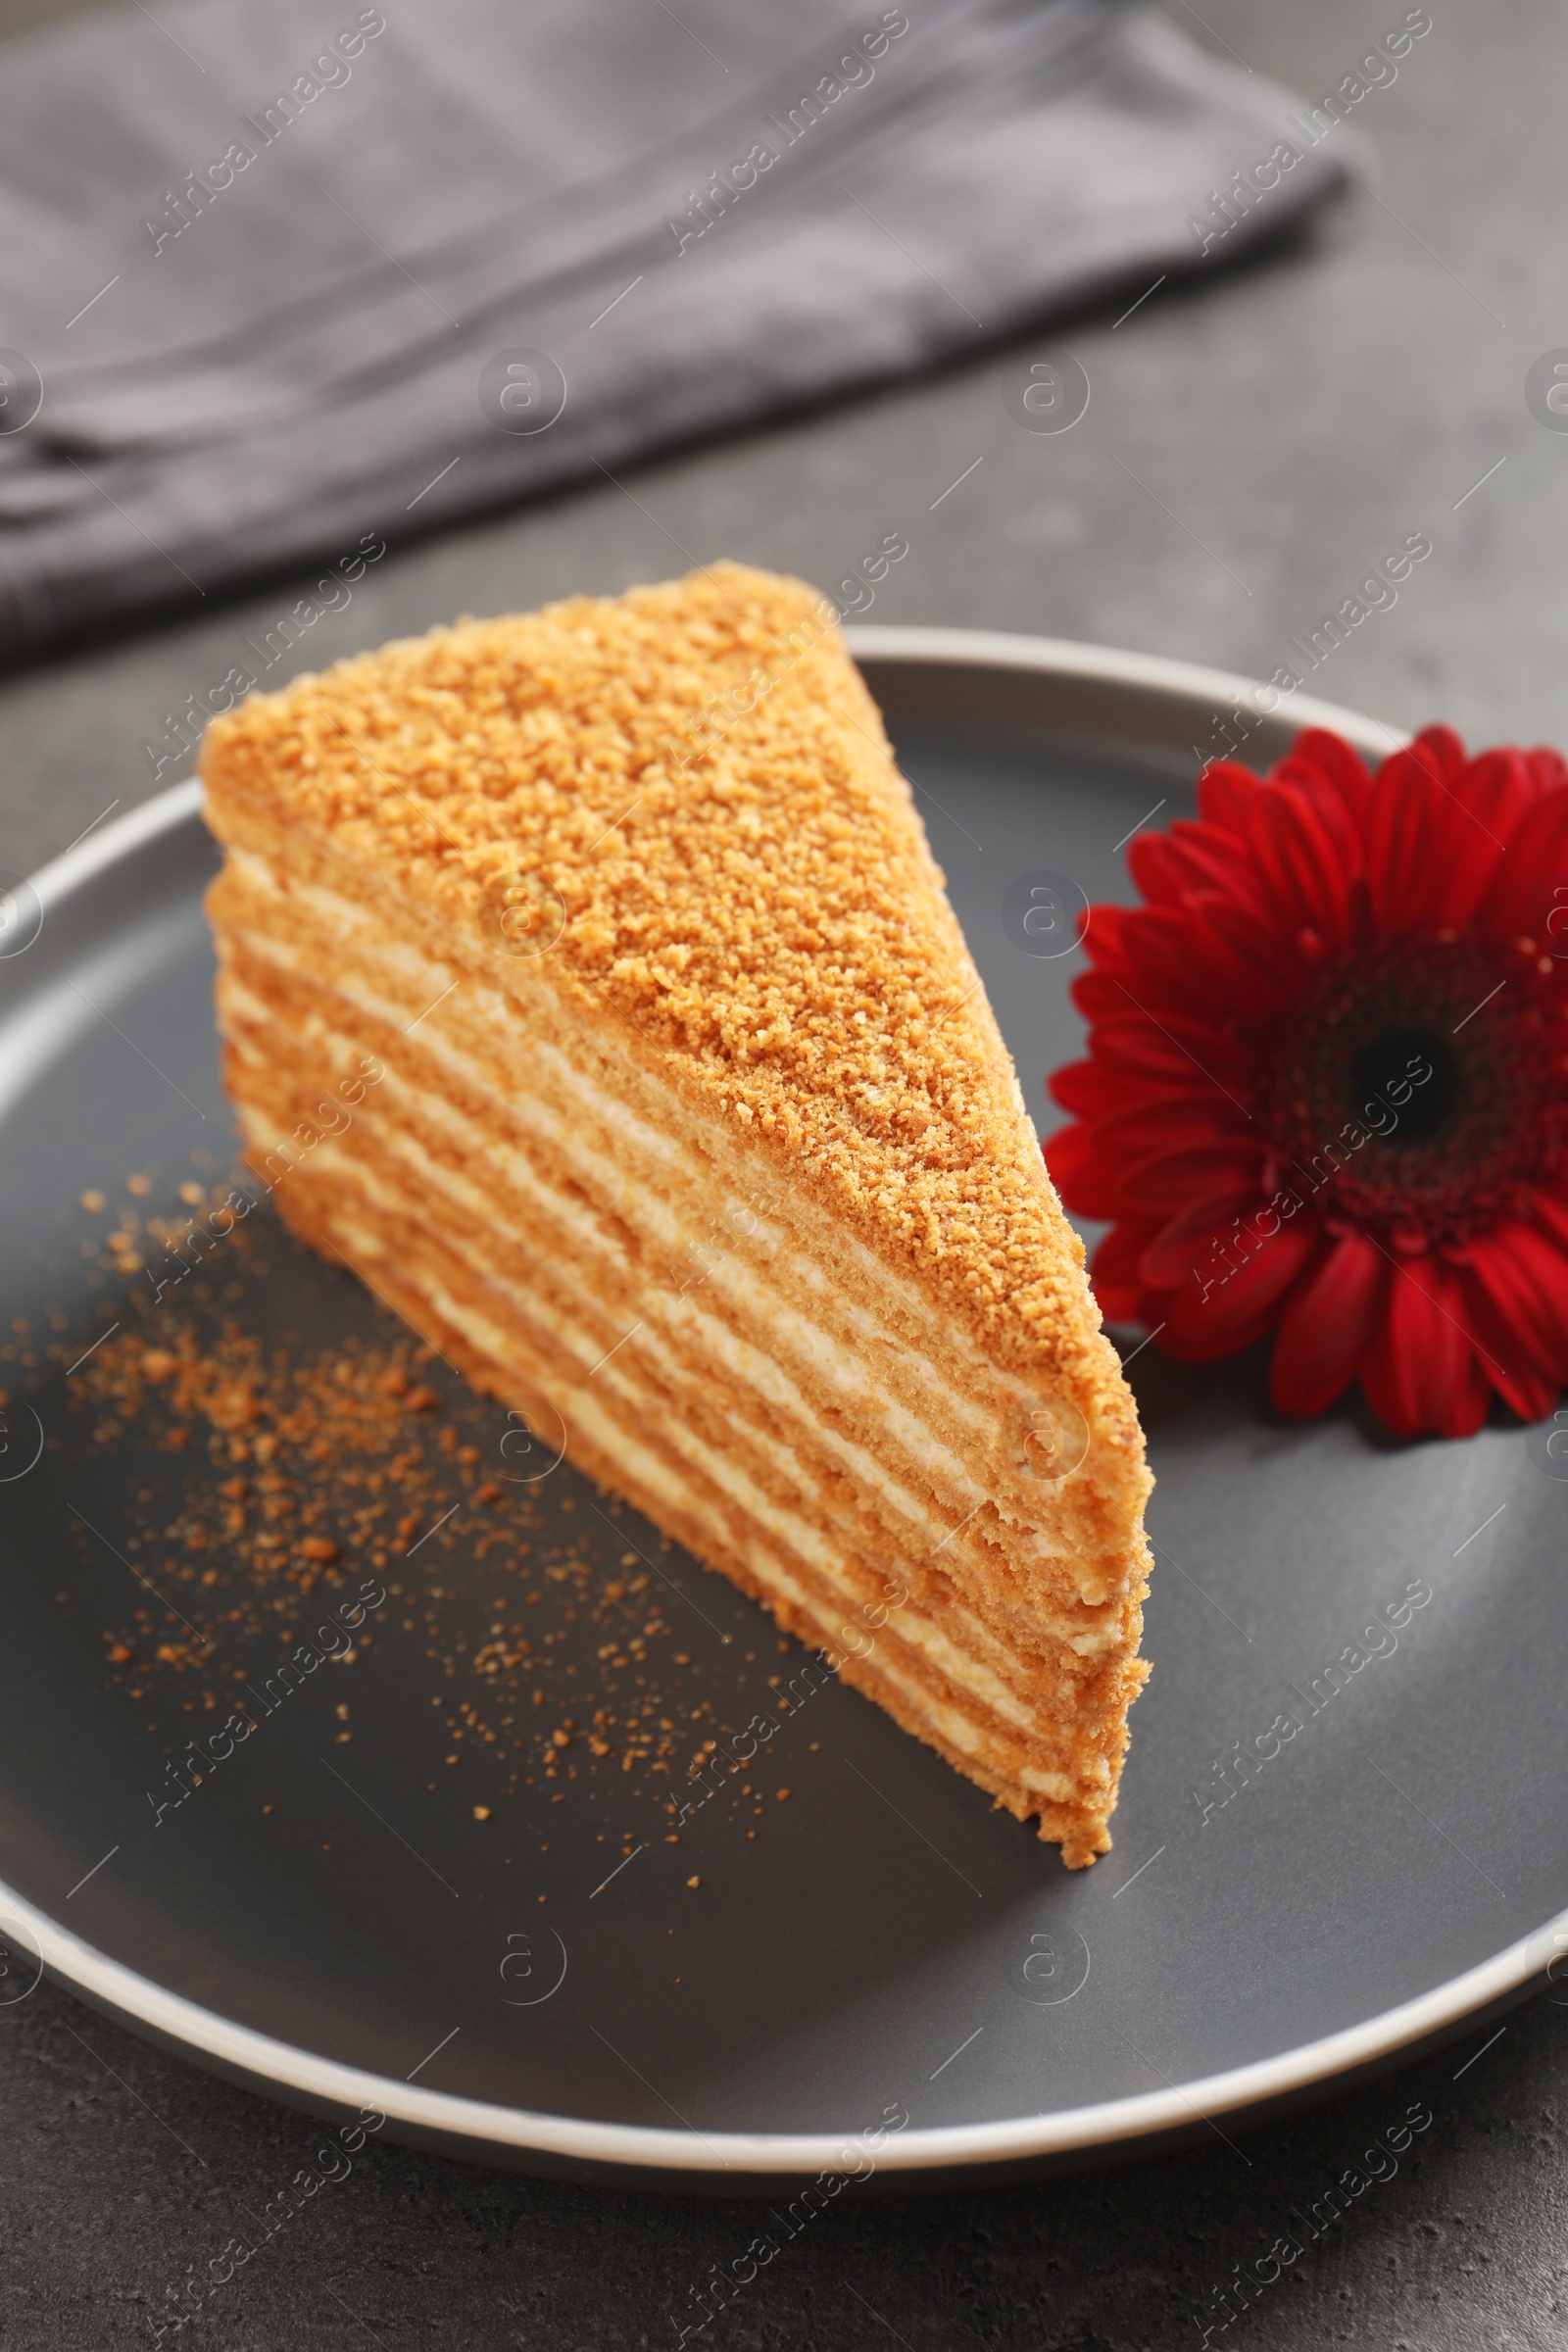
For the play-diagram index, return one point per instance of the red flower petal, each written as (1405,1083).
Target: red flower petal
(1101,936)
(1429,857)
(1085,1180)
(1304,855)
(1187,1249)
(1544,768)
(1157,1123)
(1535,864)
(1225,789)
(1328,1325)
(1113,1272)
(1420,1372)
(1176,1052)
(1439,751)
(1100,995)
(1516,1289)
(1160,1184)
(1087,1089)
(1262,962)
(1553,1215)
(1208,956)
(1499,786)
(1168,866)
(1214,1314)
(1318,763)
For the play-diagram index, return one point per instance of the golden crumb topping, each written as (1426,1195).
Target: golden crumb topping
(684,799)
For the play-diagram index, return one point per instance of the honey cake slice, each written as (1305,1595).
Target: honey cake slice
(697,1130)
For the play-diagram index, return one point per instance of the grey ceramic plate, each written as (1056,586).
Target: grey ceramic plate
(889,1979)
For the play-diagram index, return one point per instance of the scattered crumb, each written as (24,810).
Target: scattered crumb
(268,1478)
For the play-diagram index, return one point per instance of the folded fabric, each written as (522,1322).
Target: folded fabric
(274,281)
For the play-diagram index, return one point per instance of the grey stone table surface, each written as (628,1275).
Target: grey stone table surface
(1255,441)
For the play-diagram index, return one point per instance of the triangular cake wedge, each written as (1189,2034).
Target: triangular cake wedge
(697,1133)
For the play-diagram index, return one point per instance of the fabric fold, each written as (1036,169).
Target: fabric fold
(272,282)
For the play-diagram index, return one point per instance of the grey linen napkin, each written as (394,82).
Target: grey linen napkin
(296,275)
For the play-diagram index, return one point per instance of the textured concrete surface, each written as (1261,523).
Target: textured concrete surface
(1254,442)
(123,2171)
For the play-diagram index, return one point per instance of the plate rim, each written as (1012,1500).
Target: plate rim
(1109,2125)
(895,643)
(479,2127)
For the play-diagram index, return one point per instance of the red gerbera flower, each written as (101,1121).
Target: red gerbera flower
(1327,1086)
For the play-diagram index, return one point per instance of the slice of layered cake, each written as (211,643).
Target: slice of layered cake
(697,1133)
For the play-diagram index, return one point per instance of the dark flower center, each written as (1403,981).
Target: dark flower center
(1416,1086)
(1387,1073)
